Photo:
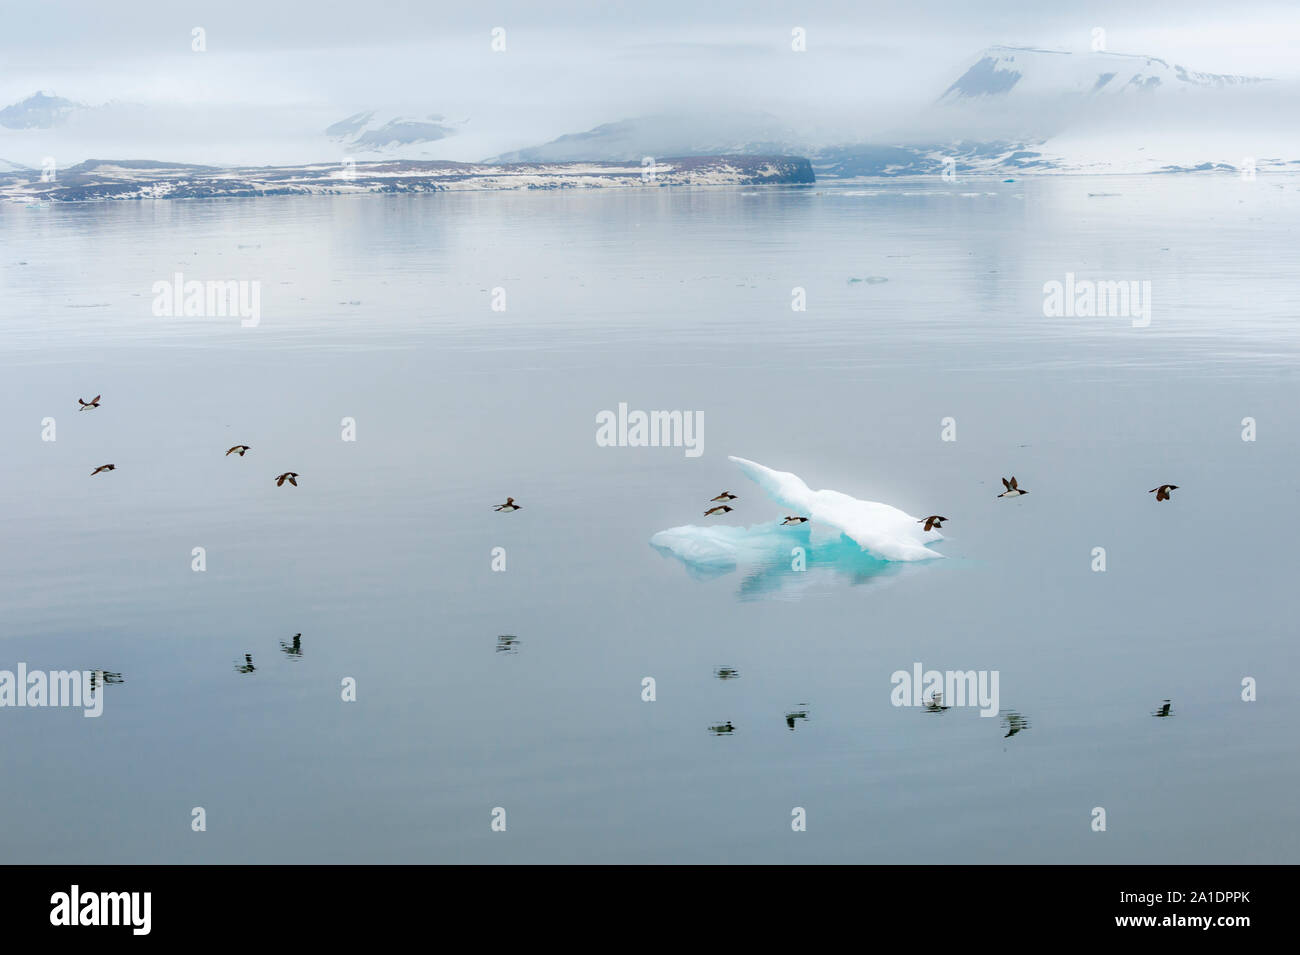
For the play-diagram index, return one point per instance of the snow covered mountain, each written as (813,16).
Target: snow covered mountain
(38,111)
(1014,110)
(1104,112)
(670,134)
(1016,72)
(1009,110)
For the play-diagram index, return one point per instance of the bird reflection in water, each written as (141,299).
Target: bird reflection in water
(935,703)
(109,677)
(1014,723)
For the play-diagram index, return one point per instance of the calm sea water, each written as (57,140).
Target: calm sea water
(379,309)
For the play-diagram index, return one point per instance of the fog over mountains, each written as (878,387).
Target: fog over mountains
(1006,110)
(1013,110)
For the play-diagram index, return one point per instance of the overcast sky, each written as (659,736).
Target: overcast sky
(300,46)
(570,65)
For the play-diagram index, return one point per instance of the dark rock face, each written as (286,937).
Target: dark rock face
(984,79)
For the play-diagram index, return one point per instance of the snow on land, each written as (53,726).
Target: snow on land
(125,180)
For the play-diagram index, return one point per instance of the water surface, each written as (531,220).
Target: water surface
(379,309)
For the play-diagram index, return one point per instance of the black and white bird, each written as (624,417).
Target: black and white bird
(1012,489)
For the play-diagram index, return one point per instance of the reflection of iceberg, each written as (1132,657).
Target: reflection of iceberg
(882,531)
(776,559)
(722,548)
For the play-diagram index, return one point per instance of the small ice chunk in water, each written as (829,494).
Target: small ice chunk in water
(879,529)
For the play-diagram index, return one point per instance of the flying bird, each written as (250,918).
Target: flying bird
(509,505)
(1162,492)
(237,449)
(724,496)
(289,476)
(1012,489)
(92,403)
(103,467)
(933,521)
(720,509)
(794,520)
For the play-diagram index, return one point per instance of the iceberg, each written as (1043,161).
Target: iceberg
(862,540)
(881,530)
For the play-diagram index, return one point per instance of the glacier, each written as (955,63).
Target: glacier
(877,532)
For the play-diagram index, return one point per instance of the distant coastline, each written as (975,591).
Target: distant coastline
(102,180)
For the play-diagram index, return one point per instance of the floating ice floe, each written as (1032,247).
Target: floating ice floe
(879,532)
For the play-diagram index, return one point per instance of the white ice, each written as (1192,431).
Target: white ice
(881,530)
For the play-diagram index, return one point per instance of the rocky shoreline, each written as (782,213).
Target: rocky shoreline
(99,180)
